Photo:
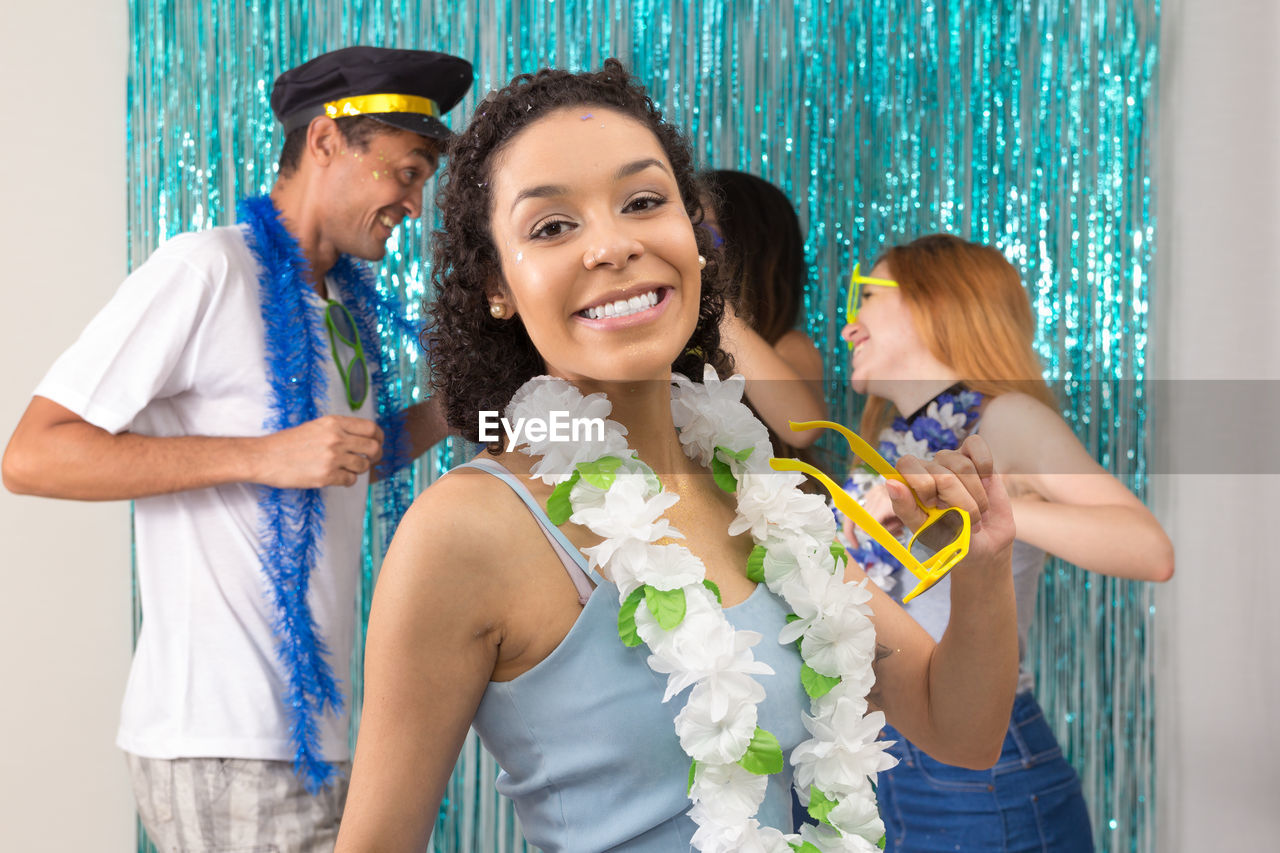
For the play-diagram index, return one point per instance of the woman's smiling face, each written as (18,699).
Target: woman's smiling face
(886,343)
(597,252)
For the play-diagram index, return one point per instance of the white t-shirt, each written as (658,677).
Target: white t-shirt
(179,350)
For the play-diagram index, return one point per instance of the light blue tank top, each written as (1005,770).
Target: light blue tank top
(588,751)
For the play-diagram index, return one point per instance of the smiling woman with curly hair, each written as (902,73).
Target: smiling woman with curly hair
(568,248)
(478,361)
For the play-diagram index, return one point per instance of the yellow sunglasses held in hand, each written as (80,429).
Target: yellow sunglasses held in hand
(936,546)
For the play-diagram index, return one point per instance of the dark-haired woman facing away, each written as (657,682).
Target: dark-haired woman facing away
(755,225)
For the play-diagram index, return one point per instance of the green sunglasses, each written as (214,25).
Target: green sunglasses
(855,294)
(354,371)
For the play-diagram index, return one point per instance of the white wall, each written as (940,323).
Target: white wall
(1218,291)
(64,615)
(65,608)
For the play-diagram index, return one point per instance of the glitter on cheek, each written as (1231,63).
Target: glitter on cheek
(587,116)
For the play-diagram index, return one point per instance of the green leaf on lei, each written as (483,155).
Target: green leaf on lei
(881,842)
(715,590)
(723,476)
(666,605)
(558,507)
(627,619)
(755,564)
(720,466)
(764,754)
(819,805)
(693,766)
(815,683)
(838,553)
(806,847)
(600,473)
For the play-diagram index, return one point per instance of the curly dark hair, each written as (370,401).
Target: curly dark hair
(477,362)
(764,250)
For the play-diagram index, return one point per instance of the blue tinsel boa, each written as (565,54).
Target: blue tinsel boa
(293,519)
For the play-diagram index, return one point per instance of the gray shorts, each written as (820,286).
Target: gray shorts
(234,805)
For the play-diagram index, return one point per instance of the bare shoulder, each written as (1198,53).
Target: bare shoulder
(1028,438)
(452,538)
(1015,425)
(1017,409)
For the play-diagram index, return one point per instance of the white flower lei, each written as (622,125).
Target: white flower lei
(603,485)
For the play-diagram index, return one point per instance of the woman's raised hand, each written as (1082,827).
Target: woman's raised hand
(963,478)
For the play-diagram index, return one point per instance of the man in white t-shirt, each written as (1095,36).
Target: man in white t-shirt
(229,388)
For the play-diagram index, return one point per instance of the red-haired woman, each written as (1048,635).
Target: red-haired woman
(942,346)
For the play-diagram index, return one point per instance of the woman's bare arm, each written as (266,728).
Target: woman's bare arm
(953,699)
(434,632)
(1065,503)
(784,383)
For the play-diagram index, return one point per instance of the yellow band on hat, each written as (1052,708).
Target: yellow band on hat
(360,104)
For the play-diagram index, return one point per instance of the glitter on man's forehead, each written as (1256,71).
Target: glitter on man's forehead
(587,116)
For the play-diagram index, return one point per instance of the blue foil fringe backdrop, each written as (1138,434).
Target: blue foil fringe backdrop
(1025,123)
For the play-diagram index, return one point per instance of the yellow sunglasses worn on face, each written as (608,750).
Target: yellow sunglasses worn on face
(855,294)
(938,544)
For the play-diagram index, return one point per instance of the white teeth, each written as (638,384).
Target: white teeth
(387,221)
(624,307)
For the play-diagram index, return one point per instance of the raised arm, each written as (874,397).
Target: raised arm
(784,382)
(953,699)
(1064,502)
(432,646)
(56,453)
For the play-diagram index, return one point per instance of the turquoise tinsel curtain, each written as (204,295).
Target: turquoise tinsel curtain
(1025,123)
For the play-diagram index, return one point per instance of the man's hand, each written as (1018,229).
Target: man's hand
(330,451)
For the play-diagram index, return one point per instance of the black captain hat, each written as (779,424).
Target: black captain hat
(408,89)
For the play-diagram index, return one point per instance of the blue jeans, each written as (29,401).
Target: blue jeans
(1030,800)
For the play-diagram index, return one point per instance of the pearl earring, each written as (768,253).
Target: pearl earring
(497,310)
(702,262)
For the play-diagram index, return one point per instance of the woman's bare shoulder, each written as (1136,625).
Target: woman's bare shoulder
(1014,417)
(1028,437)
(1015,404)
(462,519)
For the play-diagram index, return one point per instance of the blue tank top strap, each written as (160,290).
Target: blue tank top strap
(575,564)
